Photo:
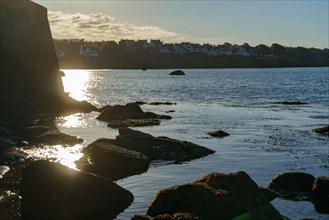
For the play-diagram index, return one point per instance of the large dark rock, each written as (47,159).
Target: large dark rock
(294,185)
(160,148)
(53,191)
(104,158)
(177,73)
(324,130)
(292,182)
(45,135)
(121,112)
(320,194)
(216,196)
(130,114)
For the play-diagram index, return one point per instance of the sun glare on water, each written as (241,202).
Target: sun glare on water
(76,82)
(57,153)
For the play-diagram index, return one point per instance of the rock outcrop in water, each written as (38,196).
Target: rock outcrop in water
(131,152)
(45,135)
(129,115)
(104,158)
(218,133)
(324,130)
(52,191)
(177,73)
(215,196)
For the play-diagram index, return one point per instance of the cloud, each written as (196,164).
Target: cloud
(98,27)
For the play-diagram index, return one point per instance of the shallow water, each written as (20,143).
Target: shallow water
(265,139)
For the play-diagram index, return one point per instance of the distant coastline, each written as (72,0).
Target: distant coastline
(154,54)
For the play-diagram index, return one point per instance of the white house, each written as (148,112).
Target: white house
(226,51)
(60,53)
(88,52)
(242,52)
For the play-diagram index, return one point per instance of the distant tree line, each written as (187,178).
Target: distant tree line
(130,54)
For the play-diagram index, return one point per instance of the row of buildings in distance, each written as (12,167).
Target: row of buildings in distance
(158,47)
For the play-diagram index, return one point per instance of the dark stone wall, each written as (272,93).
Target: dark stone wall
(29,69)
(29,65)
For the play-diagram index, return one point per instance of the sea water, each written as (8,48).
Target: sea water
(265,139)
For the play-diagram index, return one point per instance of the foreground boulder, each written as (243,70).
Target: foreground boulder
(130,114)
(177,73)
(104,158)
(324,130)
(52,191)
(216,196)
(45,135)
(160,148)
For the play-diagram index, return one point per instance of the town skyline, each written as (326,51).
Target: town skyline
(288,23)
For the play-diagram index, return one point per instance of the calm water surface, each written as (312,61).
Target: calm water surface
(265,139)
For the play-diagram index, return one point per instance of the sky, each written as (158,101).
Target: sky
(289,23)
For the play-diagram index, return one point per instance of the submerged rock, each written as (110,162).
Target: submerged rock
(129,115)
(177,73)
(176,216)
(216,196)
(324,130)
(290,103)
(218,133)
(155,103)
(52,191)
(133,123)
(109,160)
(160,148)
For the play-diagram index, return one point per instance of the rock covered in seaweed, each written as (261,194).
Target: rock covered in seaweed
(215,196)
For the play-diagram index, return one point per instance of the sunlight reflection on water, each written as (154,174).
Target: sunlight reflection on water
(73,121)
(76,83)
(57,153)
